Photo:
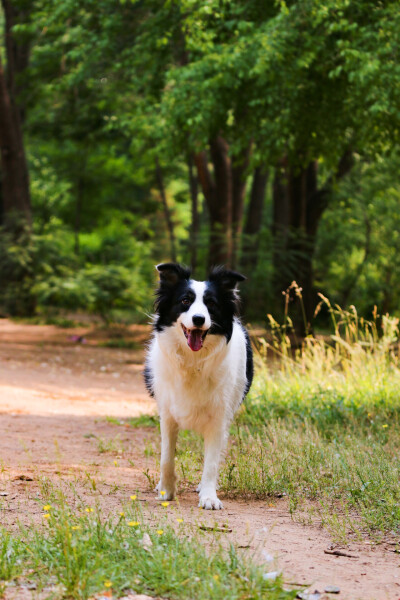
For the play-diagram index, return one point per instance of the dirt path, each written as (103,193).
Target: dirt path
(55,395)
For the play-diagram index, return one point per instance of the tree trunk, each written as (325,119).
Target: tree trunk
(17,53)
(239,170)
(167,212)
(15,178)
(254,218)
(16,203)
(298,207)
(217,192)
(194,229)
(220,251)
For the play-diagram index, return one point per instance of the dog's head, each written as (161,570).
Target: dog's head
(197,308)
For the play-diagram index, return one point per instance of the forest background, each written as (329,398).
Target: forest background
(261,135)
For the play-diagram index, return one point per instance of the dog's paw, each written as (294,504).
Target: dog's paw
(165,492)
(210,502)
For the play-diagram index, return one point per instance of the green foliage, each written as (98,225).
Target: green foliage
(362,223)
(112,86)
(42,269)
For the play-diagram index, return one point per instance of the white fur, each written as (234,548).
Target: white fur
(199,391)
(197,308)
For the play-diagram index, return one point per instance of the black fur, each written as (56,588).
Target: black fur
(249,363)
(220,290)
(148,379)
(173,286)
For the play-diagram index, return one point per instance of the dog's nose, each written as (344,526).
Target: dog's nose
(198,320)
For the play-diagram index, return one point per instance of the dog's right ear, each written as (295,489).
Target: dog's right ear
(171,273)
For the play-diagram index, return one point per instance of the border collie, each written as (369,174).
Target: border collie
(199,367)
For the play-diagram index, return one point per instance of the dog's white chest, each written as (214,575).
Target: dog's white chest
(198,390)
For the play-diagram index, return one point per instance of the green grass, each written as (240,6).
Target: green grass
(149,421)
(144,421)
(78,552)
(122,344)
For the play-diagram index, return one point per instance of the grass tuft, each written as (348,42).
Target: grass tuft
(81,552)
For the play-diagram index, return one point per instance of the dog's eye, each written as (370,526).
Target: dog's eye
(211,304)
(186,302)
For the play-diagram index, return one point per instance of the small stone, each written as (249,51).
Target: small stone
(332,589)
(146,541)
(272,575)
(309,595)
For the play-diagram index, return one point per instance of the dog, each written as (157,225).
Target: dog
(199,368)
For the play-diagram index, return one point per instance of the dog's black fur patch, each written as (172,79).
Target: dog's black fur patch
(249,363)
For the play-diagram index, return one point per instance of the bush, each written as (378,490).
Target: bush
(42,270)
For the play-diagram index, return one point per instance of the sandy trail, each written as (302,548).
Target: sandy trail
(55,395)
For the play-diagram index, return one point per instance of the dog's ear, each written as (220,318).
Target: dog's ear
(171,273)
(226,278)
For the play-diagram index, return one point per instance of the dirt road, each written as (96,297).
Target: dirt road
(58,390)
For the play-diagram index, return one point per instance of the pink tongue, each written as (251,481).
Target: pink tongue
(195,339)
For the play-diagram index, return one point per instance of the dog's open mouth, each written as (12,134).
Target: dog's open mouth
(194,337)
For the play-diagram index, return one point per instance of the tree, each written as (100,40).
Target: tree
(15,193)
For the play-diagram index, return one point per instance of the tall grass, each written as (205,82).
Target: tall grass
(350,377)
(322,424)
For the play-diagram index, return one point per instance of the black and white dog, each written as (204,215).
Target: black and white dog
(199,367)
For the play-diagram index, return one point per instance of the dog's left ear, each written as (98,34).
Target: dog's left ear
(226,278)
(171,273)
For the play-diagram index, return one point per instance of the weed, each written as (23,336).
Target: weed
(111,445)
(150,478)
(144,421)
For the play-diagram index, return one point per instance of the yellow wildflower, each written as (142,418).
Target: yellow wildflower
(165,504)
(160,531)
(46,516)
(133,523)
(47,507)
(107,584)
(180,520)
(133,497)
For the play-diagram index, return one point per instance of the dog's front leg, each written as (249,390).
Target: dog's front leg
(214,443)
(169,434)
